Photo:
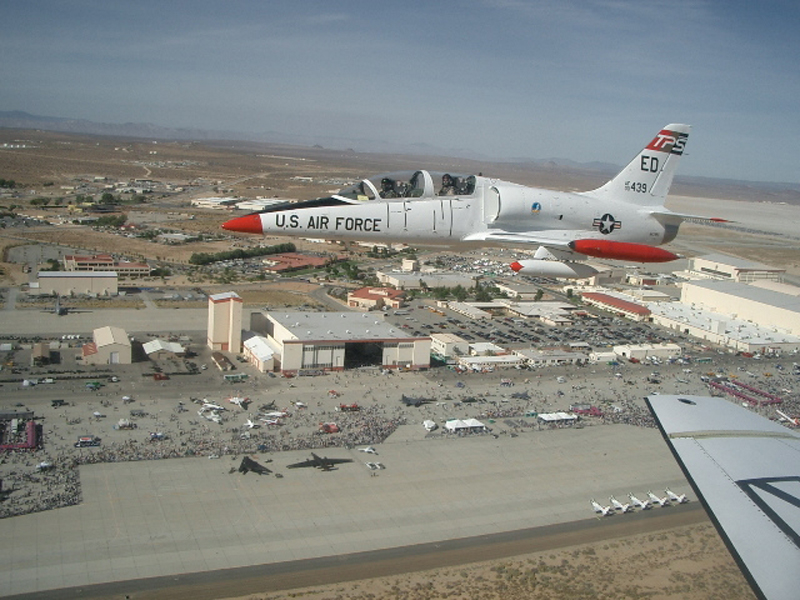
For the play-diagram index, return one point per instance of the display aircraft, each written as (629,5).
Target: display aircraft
(624,219)
(642,504)
(662,502)
(251,425)
(248,464)
(210,406)
(606,511)
(239,401)
(784,417)
(677,498)
(619,505)
(320,462)
(745,471)
(368,450)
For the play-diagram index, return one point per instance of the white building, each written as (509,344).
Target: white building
(259,353)
(336,341)
(448,345)
(109,346)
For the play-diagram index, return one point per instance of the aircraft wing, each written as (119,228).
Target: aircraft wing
(558,239)
(746,471)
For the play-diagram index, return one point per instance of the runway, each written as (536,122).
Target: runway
(329,570)
(164,519)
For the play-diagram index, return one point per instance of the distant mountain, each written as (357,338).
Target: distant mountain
(15,119)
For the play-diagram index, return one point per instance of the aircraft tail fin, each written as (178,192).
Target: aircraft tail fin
(647,178)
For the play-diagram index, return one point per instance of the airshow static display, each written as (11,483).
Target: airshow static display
(625,219)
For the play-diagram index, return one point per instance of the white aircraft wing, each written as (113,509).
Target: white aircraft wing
(745,470)
(558,239)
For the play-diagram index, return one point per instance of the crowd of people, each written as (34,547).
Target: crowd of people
(49,478)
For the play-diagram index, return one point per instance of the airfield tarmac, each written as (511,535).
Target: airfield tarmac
(161,518)
(156,518)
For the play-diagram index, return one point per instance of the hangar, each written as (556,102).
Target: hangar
(338,341)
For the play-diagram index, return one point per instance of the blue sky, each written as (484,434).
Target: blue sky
(589,80)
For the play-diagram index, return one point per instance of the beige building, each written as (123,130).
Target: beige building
(71,283)
(109,346)
(732,268)
(105,262)
(225,322)
(764,307)
(337,341)
(449,345)
(370,298)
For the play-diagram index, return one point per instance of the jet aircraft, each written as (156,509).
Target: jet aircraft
(320,462)
(624,219)
(642,504)
(662,502)
(677,498)
(605,511)
(248,464)
(619,505)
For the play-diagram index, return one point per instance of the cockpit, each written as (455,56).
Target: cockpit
(410,184)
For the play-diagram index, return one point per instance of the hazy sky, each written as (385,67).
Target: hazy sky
(589,80)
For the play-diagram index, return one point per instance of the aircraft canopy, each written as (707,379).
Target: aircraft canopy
(410,184)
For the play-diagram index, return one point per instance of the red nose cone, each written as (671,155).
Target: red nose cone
(245,224)
(515,266)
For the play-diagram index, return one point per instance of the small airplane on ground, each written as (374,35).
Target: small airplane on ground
(619,505)
(210,406)
(605,511)
(656,500)
(680,499)
(642,504)
(248,464)
(251,425)
(374,466)
(625,219)
(368,450)
(239,401)
(320,462)
(784,417)
(269,421)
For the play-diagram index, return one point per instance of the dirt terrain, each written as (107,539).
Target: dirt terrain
(685,563)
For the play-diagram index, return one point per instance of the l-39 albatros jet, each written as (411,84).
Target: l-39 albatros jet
(625,219)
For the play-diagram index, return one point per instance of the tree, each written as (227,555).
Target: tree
(539,294)
(460,293)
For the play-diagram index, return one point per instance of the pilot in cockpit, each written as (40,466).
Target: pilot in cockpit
(387,188)
(448,186)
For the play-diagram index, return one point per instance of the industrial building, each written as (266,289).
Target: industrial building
(731,268)
(225,322)
(416,281)
(623,308)
(72,283)
(337,341)
(765,307)
(448,345)
(109,346)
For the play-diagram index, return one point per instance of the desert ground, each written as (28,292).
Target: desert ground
(680,561)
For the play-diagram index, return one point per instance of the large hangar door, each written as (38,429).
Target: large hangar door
(363,354)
